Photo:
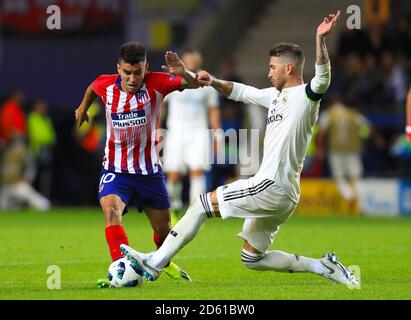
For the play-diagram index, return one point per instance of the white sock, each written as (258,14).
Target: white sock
(197,186)
(184,231)
(281,262)
(175,190)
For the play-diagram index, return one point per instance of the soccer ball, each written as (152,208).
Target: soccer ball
(122,274)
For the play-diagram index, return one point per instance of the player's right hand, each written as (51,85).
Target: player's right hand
(204,79)
(328,24)
(81,116)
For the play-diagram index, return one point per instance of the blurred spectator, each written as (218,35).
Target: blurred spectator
(368,84)
(394,88)
(343,131)
(16,190)
(91,134)
(353,73)
(377,11)
(378,40)
(42,138)
(352,41)
(90,138)
(12,118)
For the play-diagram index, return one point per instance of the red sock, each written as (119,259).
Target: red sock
(158,242)
(116,236)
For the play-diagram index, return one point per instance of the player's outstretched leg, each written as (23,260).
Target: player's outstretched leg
(152,264)
(327,266)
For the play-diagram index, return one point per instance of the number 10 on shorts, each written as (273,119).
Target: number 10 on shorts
(107,178)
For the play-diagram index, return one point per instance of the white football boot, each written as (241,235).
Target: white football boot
(336,271)
(139,261)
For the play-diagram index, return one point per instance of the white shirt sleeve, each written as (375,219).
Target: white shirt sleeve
(320,83)
(248,94)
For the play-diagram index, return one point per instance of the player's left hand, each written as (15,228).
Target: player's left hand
(174,65)
(328,24)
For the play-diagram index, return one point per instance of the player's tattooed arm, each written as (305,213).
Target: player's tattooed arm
(222,86)
(321,52)
(81,113)
(322,31)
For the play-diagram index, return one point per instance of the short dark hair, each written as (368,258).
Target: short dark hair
(290,50)
(132,53)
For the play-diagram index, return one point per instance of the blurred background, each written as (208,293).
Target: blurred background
(44,74)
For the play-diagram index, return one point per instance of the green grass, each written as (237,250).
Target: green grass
(74,240)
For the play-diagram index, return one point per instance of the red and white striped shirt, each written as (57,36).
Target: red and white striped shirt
(132,121)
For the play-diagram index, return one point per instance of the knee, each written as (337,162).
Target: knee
(112,211)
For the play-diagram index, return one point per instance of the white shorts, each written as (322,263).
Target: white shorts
(264,205)
(187,150)
(345,164)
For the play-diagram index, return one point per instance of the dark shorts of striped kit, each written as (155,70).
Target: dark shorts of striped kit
(146,190)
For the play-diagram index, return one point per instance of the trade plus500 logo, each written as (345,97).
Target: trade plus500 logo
(128,119)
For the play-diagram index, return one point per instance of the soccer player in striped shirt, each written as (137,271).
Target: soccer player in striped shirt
(269,198)
(408,116)
(131,163)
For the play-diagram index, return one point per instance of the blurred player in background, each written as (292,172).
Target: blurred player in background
(342,131)
(269,198)
(131,164)
(15,178)
(187,144)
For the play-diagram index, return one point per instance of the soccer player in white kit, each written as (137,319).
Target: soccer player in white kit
(187,143)
(269,198)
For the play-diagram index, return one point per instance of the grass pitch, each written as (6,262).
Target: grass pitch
(73,240)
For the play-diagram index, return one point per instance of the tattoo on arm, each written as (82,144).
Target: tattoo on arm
(224,87)
(321,52)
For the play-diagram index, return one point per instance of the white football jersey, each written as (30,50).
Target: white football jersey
(292,114)
(189,109)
